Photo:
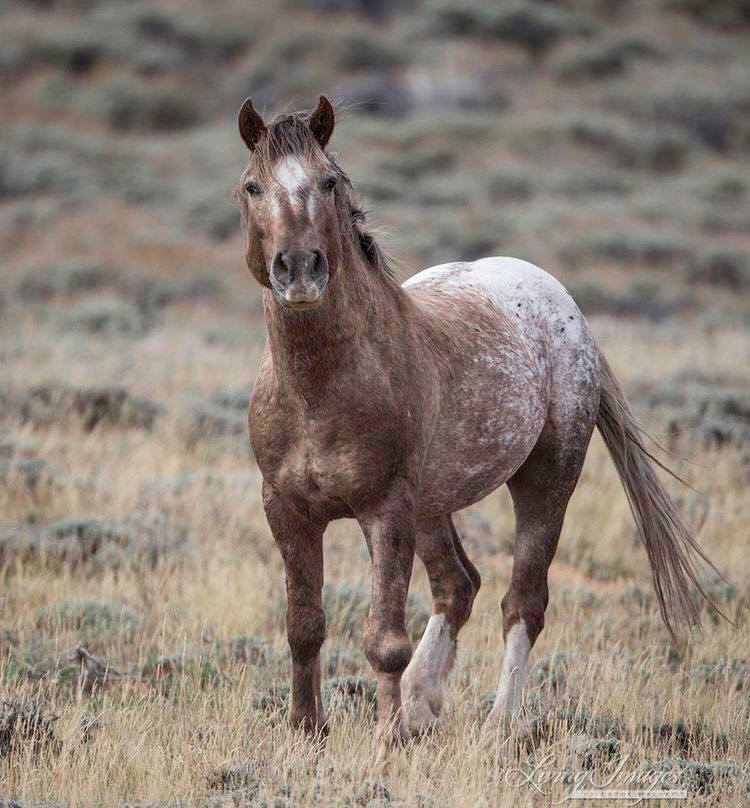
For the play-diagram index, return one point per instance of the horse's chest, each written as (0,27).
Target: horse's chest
(318,465)
(328,464)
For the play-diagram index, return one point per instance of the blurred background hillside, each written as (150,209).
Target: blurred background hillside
(584,135)
(606,140)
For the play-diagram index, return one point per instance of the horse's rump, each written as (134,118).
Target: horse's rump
(508,340)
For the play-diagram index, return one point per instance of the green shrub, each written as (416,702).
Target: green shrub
(207,38)
(66,278)
(94,620)
(420,162)
(25,725)
(235,778)
(602,61)
(72,50)
(444,190)
(382,186)
(734,672)
(631,249)
(39,659)
(33,475)
(654,148)
(209,421)
(509,186)
(96,543)
(179,674)
(38,174)
(729,269)
(275,699)
(108,316)
(376,9)
(351,693)
(90,407)
(713,411)
(720,13)
(154,293)
(552,671)
(134,106)
(714,121)
(341,660)
(363,51)
(534,27)
(705,778)
(215,214)
(726,189)
(250,650)
(580,184)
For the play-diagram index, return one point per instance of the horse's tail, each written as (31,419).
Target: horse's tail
(672,550)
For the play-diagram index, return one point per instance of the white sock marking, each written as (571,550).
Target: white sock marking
(510,687)
(425,673)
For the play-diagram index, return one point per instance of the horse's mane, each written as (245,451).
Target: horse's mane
(376,256)
(288,134)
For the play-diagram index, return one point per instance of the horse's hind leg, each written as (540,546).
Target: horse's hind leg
(454,582)
(540,489)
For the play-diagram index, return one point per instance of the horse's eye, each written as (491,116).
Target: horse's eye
(329,183)
(252,188)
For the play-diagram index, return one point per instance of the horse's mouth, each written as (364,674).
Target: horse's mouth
(315,304)
(301,305)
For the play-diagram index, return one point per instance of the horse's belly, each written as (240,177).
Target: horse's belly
(496,425)
(495,392)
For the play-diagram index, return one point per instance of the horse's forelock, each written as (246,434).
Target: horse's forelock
(285,136)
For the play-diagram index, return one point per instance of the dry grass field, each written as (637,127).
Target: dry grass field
(142,651)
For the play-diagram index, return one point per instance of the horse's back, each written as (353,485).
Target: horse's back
(532,296)
(532,306)
(513,346)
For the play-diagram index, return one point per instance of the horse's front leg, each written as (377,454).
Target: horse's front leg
(389,528)
(301,546)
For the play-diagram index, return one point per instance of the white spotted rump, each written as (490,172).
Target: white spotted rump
(532,352)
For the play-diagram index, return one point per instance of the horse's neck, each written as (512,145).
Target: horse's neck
(356,318)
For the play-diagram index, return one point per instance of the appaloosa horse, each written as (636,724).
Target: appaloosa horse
(399,405)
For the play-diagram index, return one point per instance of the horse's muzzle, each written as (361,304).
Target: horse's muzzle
(299,278)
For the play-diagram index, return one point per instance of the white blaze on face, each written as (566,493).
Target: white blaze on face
(291,178)
(510,687)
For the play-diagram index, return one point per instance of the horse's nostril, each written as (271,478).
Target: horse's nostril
(317,263)
(282,267)
(320,269)
(292,266)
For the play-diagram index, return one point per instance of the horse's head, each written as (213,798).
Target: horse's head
(292,199)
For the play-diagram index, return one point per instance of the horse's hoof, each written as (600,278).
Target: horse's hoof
(426,729)
(494,729)
(515,732)
(419,719)
(391,734)
(314,729)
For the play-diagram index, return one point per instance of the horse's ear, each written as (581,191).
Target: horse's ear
(251,124)
(321,121)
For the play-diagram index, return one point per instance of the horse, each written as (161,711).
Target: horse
(400,404)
